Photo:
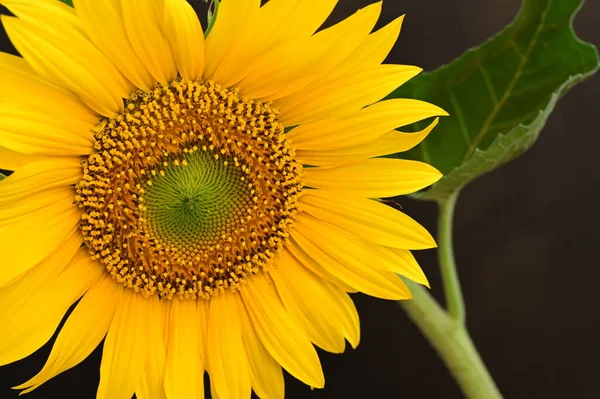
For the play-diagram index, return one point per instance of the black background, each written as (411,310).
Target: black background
(526,242)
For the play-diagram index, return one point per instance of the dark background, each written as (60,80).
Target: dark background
(526,241)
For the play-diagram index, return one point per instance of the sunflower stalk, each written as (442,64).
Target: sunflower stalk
(450,279)
(446,330)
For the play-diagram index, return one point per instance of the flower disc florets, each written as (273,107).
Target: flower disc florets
(189,189)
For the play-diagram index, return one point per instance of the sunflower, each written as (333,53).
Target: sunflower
(206,204)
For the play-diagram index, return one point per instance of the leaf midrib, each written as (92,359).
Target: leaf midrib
(507,93)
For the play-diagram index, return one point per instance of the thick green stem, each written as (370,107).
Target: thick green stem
(452,343)
(452,290)
(446,331)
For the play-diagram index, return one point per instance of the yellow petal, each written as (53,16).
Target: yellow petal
(82,333)
(290,67)
(266,374)
(183,356)
(327,304)
(292,19)
(147,39)
(355,252)
(229,30)
(374,178)
(321,330)
(357,273)
(203,310)
(372,50)
(17,292)
(56,48)
(27,327)
(102,22)
(346,95)
(368,219)
(28,241)
(226,357)
(363,127)
(40,176)
(184,33)
(280,335)
(152,384)
(124,352)
(12,160)
(390,143)
(311,265)
(402,262)
(276,22)
(18,80)
(37,133)
(20,210)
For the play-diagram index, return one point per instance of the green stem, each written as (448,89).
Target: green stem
(452,290)
(446,331)
(452,343)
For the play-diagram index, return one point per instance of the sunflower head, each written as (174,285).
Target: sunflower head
(207,203)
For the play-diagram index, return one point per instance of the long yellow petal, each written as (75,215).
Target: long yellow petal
(184,33)
(228,32)
(18,80)
(362,127)
(354,252)
(56,48)
(33,132)
(371,220)
(374,178)
(124,352)
(102,22)
(290,67)
(27,327)
(82,333)
(13,160)
(152,383)
(147,39)
(346,95)
(183,357)
(371,52)
(277,22)
(266,374)
(293,19)
(40,176)
(402,262)
(17,292)
(226,357)
(390,143)
(321,330)
(326,304)
(203,310)
(28,241)
(21,210)
(311,265)
(356,272)
(280,335)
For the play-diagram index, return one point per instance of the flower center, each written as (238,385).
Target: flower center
(188,191)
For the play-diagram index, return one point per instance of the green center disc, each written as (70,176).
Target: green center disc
(197,200)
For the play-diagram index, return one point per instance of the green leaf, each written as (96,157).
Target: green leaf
(213,11)
(68,2)
(2,176)
(500,94)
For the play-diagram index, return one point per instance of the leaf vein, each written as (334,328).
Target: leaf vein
(507,93)
(459,115)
